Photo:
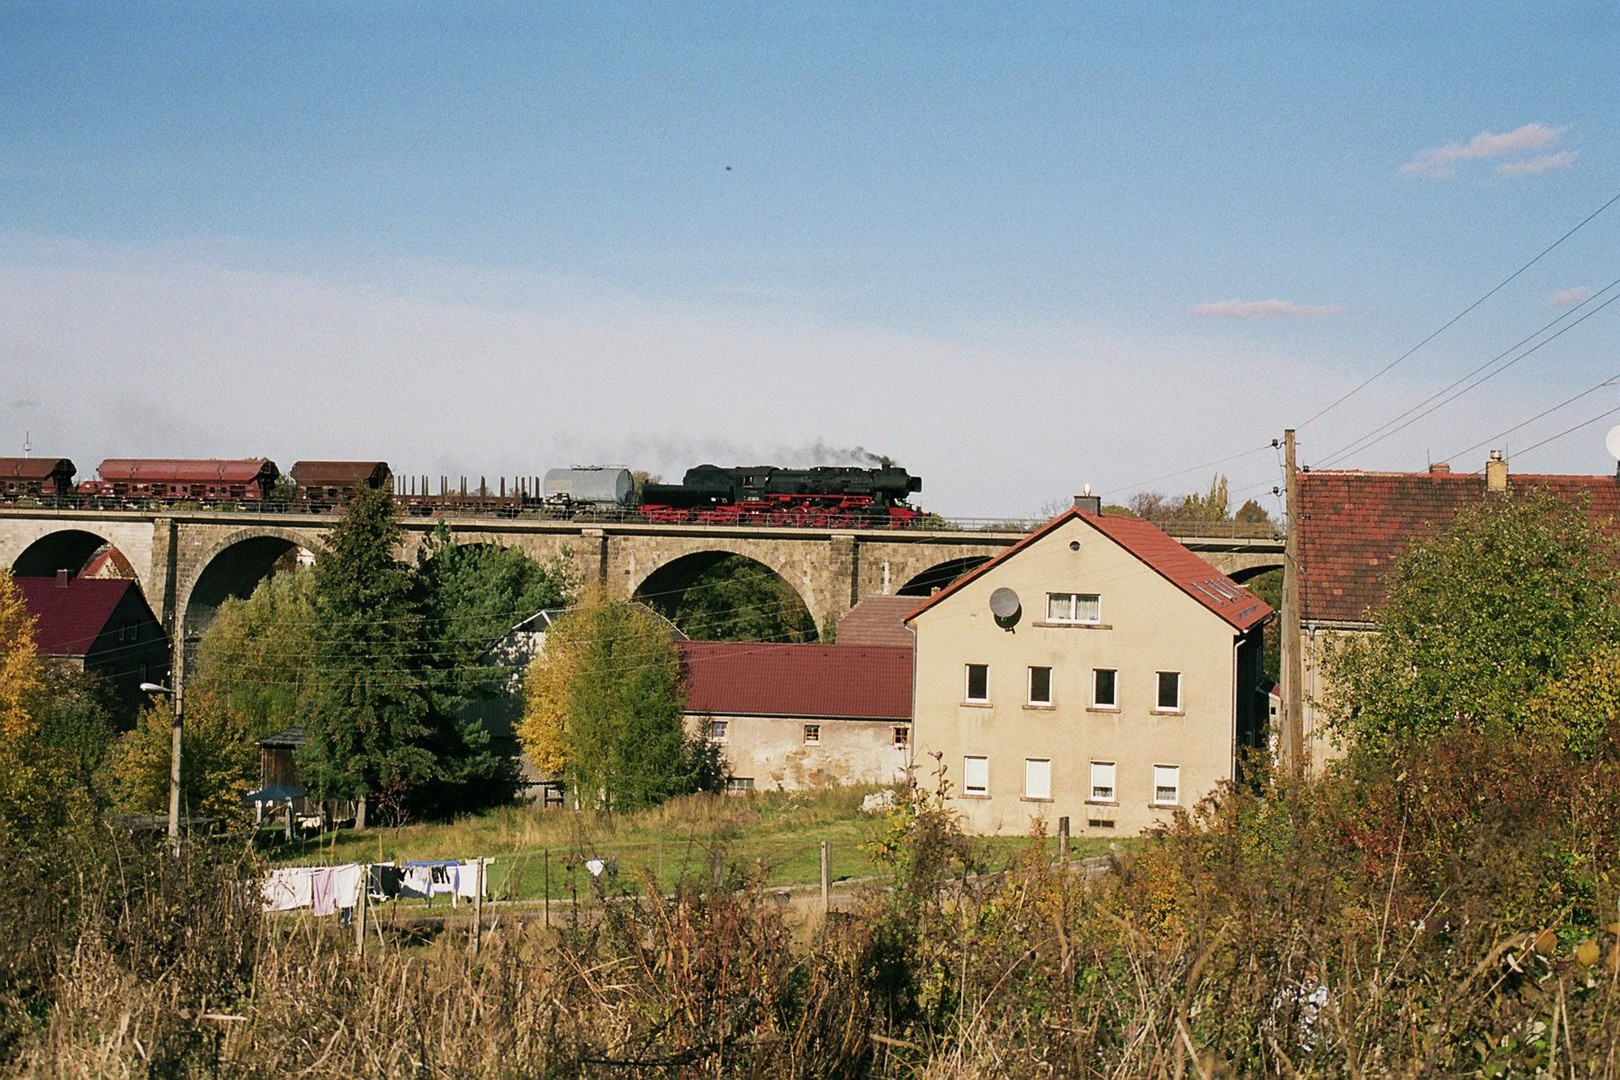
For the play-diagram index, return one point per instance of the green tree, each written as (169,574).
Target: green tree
(738,599)
(605,708)
(372,729)
(76,723)
(218,759)
(470,597)
(257,656)
(1212,505)
(1477,622)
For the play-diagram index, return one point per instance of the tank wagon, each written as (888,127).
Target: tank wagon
(592,487)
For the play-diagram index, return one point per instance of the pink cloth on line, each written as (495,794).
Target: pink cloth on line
(322,890)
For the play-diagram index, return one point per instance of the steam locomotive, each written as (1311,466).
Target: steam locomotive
(821,497)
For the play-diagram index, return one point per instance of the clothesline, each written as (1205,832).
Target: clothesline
(329,889)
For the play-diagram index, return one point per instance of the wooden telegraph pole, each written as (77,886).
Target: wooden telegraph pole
(1291,739)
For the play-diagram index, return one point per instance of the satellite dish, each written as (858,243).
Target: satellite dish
(1004,605)
(1612,441)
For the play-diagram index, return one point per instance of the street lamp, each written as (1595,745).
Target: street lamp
(174,762)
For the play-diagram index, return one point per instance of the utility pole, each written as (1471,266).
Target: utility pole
(1292,736)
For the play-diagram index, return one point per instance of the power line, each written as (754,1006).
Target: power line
(1610,381)
(1384,431)
(1570,430)
(1455,318)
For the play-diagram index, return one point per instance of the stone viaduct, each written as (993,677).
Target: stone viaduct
(188,562)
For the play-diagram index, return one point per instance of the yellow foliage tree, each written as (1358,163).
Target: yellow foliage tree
(20,673)
(548,686)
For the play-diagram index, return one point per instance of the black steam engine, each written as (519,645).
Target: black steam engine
(825,496)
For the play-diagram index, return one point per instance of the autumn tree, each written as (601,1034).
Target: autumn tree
(1478,623)
(605,705)
(21,678)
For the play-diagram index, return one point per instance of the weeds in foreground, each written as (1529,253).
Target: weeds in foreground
(1375,923)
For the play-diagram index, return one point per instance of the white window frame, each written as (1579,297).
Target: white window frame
(1030,685)
(812,734)
(1158,692)
(1105,780)
(975,775)
(967,684)
(1172,774)
(1038,778)
(1095,703)
(1072,602)
(719,730)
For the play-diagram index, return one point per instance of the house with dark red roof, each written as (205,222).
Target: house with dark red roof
(103,626)
(1097,671)
(1355,526)
(798,716)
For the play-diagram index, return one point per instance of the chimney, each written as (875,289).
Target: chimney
(1091,504)
(1496,472)
(62,579)
(1440,468)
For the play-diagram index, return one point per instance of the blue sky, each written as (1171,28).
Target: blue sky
(1019,247)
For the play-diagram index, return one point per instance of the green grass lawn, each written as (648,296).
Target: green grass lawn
(773,836)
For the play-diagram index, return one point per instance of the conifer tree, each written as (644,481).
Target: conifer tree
(372,732)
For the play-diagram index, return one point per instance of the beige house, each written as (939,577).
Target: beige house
(1097,671)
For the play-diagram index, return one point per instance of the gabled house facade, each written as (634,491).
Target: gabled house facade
(1098,671)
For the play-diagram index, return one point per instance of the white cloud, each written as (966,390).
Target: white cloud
(1563,159)
(1440,162)
(1569,297)
(1264,309)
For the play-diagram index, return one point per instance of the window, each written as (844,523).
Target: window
(718,729)
(1105,688)
(1073,607)
(739,783)
(975,776)
(1169,699)
(1037,778)
(812,734)
(1040,686)
(1166,785)
(1102,781)
(902,736)
(978,682)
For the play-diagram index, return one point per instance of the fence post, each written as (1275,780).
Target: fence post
(1063,841)
(826,875)
(545,870)
(360,911)
(478,904)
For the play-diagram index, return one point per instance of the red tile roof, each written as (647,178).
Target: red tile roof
(878,620)
(1239,607)
(744,678)
(71,613)
(1355,526)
